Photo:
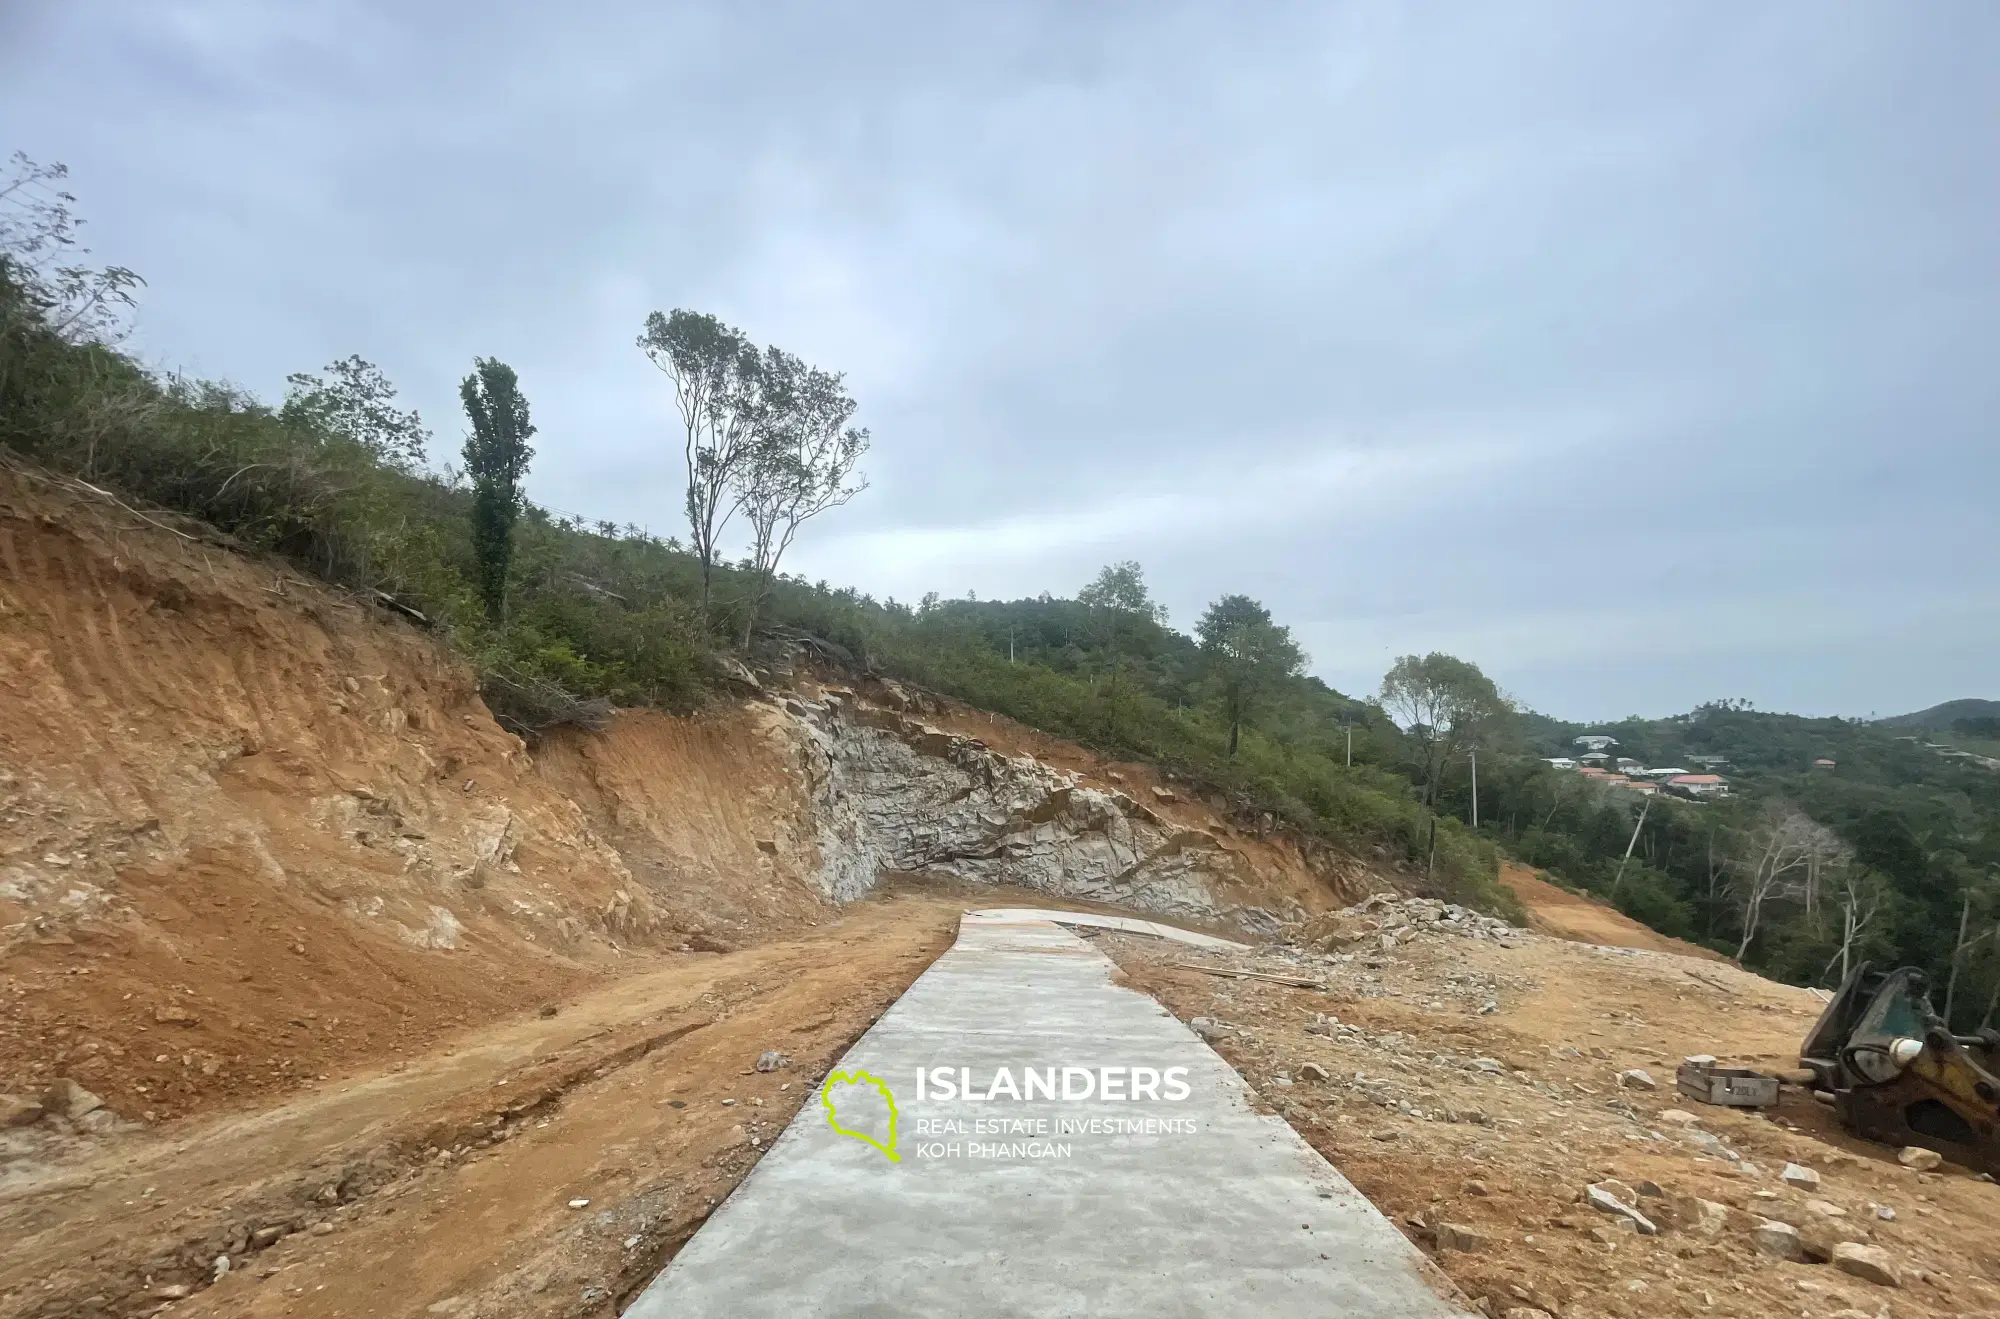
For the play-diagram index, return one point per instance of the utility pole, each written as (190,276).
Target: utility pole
(1350,746)
(1620,876)
(1475,787)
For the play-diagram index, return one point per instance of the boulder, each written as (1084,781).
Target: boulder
(1871,1263)
(1678,1117)
(1604,1202)
(68,1099)
(16,1111)
(1778,1240)
(771,1060)
(1919,1158)
(1312,1072)
(1797,1174)
(1457,1236)
(1637,1078)
(1704,1216)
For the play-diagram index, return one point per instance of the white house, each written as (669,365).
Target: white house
(1594,758)
(1560,762)
(1596,741)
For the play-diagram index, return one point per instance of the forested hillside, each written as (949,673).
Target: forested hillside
(1892,851)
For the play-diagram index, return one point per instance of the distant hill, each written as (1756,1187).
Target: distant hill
(1944,716)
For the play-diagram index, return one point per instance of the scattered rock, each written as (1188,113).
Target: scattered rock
(1604,1202)
(1208,1028)
(1885,1213)
(1457,1236)
(771,1060)
(1164,795)
(547,1010)
(1523,1312)
(1778,1240)
(1637,1078)
(1870,1263)
(1797,1174)
(175,1015)
(1825,1209)
(1477,1188)
(579,1203)
(16,1111)
(1312,1072)
(1491,1066)
(173,1291)
(1678,1117)
(265,1236)
(1706,1216)
(68,1099)
(1918,1158)
(1649,1189)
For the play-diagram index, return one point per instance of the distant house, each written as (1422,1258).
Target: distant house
(1709,762)
(1560,762)
(1593,772)
(1596,741)
(1627,765)
(1822,763)
(1594,758)
(1663,773)
(1700,785)
(1640,786)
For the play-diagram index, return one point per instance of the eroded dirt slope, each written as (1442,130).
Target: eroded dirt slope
(252,830)
(1557,911)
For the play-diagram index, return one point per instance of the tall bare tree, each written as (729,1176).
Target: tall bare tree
(801,463)
(1784,849)
(1119,604)
(717,378)
(1858,892)
(1444,703)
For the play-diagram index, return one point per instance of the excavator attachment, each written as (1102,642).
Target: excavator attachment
(1898,1075)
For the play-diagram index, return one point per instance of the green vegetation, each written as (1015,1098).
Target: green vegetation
(1890,853)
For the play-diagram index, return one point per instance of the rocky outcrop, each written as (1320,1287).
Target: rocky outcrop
(892,794)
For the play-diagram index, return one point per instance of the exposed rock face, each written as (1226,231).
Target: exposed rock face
(892,794)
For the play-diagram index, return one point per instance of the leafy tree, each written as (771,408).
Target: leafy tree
(1444,703)
(496,458)
(358,403)
(1247,655)
(801,463)
(717,378)
(38,250)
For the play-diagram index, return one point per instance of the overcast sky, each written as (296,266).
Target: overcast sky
(1642,353)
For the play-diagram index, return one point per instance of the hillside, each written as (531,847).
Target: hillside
(1942,717)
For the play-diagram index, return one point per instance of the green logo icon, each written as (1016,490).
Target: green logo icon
(858,1078)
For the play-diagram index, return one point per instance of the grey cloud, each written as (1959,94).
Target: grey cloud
(1636,352)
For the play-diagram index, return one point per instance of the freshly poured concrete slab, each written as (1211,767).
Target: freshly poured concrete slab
(1129,924)
(1154,1207)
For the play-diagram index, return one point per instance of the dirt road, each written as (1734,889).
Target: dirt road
(449,1184)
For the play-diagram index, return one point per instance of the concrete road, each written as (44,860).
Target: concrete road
(1181,1202)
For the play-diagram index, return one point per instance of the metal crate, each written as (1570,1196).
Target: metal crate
(1736,1087)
